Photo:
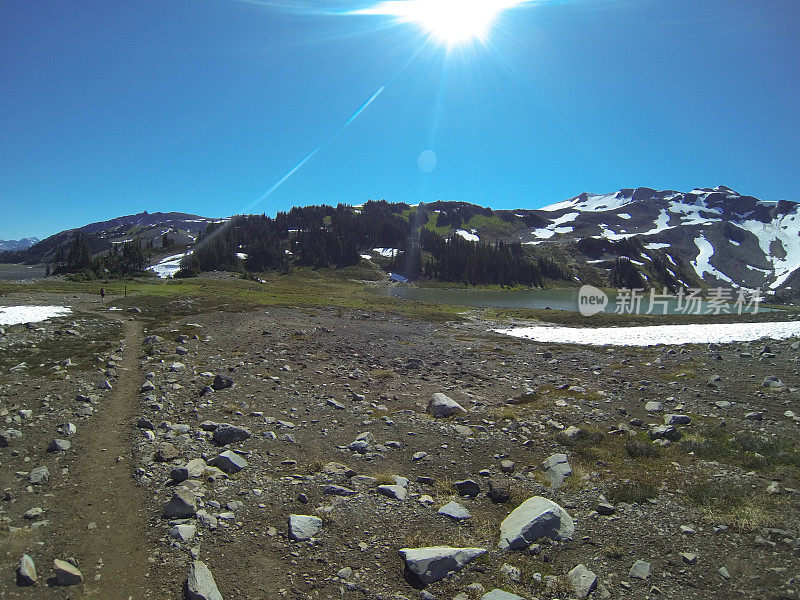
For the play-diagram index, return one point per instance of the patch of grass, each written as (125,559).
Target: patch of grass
(382,374)
(739,505)
(638,448)
(631,492)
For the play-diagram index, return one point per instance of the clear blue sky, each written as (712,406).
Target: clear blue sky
(202,106)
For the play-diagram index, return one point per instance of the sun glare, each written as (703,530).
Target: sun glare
(451,22)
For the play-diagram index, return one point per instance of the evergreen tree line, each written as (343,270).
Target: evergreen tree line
(122,260)
(323,236)
(458,260)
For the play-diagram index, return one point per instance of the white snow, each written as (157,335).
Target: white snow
(593,203)
(624,216)
(386,252)
(656,246)
(14,315)
(470,237)
(702,265)
(658,334)
(734,242)
(241,255)
(366,256)
(784,230)
(167,267)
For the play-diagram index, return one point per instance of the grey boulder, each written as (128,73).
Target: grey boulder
(66,573)
(230,434)
(181,505)
(200,584)
(434,563)
(455,511)
(535,518)
(26,574)
(441,405)
(229,461)
(583,581)
(557,468)
(304,527)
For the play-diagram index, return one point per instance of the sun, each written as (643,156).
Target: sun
(450,22)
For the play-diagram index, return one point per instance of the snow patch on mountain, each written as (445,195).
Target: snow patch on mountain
(702,264)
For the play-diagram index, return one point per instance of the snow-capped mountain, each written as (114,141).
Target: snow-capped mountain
(17,244)
(729,239)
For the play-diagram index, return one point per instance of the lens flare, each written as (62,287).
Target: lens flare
(451,22)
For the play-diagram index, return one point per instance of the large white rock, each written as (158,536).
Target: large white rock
(200,584)
(304,527)
(66,573)
(441,405)
(535,518)
(437,562)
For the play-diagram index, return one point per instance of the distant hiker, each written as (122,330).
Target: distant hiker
(102,294)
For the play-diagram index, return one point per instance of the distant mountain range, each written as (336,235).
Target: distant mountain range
(17,244)
(711,237)
(181,229)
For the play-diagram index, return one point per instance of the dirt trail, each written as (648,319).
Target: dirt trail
(114,553)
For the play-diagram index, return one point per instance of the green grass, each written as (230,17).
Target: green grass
(162,300)
(739,505)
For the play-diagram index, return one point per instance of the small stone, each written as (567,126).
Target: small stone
(230,434)
(583,580)
(200,584)
(468,488)
(605,509)
(677,419)
(221,383)
(441,405)
(507,466)
(66,574)
(304,527)
(639,570)
(229,462)
(434,563)
(166,452)
(39,475)
(455,511)
(497,594)
(557,468)
(181,505)
(724,573)
(654,406)
(183,533)
(499,491)
(397,492)
(689,558)
(26,574)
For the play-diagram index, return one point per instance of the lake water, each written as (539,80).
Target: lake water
(16,272)
(557,299)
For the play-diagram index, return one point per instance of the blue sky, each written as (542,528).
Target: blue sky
(202,106)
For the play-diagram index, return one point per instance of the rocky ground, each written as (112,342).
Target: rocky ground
(294,453)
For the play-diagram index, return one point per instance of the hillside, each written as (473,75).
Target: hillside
(708,237)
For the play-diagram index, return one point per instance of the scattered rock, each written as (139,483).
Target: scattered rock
(441,405)
(66,574)
(535,518)
(583,581)
(200,584)
(182,504)
(434,563)
(557,468)
(226,434)
(229,462)
(639,570)
(304,527)
(455,511)
(26,574)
